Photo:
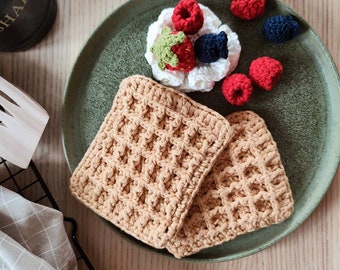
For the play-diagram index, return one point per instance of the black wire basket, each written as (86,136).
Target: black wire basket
(30,184)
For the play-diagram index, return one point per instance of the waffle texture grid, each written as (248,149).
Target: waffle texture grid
(148,160)
(247,189)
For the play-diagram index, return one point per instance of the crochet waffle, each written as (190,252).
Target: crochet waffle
(148,159)
(247,189)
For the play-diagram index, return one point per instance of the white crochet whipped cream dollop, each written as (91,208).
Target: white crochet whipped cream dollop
(203,76)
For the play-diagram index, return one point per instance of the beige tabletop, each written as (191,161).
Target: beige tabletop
(43,71)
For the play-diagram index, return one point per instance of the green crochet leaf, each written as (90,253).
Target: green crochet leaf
(163,45)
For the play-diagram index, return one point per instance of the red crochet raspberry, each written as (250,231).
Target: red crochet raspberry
(247,9)
(265,72)
(186,56)
(187,17)
(237,89)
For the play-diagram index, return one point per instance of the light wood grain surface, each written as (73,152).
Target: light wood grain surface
(43,71)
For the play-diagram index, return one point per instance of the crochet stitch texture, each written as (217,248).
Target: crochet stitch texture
(210,47)
(174,51)
(279,29)
(188,17)
(148,159)
(163,45)
(247,9)
(265,72)
(237,89)
(246,189)
(203,76)
(186,56)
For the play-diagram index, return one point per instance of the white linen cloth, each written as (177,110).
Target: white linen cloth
(32,236)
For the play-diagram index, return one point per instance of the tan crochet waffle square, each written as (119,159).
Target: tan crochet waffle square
(247,189)
(147,161)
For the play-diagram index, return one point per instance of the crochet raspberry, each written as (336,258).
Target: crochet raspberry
(237,89)
(265,72)
(188,17)
(174,51)
(279,29)
(210,47)
(247,9)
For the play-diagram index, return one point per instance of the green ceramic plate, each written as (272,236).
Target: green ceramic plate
(302,112)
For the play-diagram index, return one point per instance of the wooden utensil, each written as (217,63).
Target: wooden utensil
(22,122)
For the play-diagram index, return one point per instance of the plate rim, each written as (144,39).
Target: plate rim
(333,125)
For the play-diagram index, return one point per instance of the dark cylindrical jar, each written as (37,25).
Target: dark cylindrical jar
(23,23)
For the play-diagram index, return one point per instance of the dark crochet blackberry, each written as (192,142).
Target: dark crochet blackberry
(279,29)
(210,47)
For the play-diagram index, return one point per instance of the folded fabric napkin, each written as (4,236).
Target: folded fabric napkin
(32,236)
